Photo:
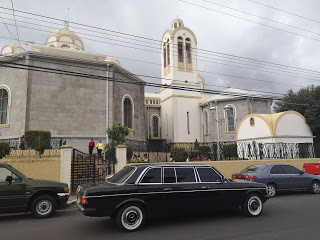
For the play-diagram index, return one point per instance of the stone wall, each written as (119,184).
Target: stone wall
(16,81)
(136,92)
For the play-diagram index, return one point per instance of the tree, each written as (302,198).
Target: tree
(116,134)
(307,102)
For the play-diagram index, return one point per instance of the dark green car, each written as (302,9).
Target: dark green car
(21,194)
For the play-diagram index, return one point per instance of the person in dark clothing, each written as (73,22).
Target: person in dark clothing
(91,146)
(22,143)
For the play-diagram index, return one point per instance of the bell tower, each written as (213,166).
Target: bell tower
(179,109)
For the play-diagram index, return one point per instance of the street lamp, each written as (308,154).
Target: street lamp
(219,121)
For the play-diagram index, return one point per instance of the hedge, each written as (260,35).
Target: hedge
(38,140)
(179,154)
(4,149)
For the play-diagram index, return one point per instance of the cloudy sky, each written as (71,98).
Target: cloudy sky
(216,33)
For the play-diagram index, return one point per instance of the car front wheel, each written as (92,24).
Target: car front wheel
(315,187)
(43,206)
(271,190)
(252,206)
(130,217)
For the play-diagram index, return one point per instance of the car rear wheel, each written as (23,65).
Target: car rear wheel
(315,187)
(130,217)
(43,206)
(252,206)
(271,190)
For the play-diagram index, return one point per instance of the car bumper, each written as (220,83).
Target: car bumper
(91,212)
(63,199)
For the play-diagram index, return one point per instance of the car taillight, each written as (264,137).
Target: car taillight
(83,201)
(251,177)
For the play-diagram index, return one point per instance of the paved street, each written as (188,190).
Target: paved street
(288,216)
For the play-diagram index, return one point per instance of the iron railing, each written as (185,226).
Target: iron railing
(55,143)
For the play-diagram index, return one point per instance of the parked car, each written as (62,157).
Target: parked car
(21,194)
(140,191)
(280,177)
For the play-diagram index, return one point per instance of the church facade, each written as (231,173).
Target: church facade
(91,93)
(184,116)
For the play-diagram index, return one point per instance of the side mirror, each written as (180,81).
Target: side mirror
(9,179)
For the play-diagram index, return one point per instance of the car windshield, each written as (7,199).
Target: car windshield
(121,176)
(254,169)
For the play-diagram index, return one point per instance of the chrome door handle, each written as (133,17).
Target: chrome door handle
(204,187)
(167,189)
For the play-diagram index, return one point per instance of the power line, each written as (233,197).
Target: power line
(212,73)
(245,19)
(142,37)
(14,17)
(311,79)
(280,10)
(268,19)
(77,74)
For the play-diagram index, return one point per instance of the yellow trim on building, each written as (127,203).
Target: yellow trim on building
(4,125)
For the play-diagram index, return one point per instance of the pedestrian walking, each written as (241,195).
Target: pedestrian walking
(91,146)
(99,148)
(22,143)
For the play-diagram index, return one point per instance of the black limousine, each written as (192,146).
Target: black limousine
(138,191)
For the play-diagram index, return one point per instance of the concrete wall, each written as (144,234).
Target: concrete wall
(16,81)
(44,168)
(242,109)
(136,92)
(227,168)
(67,105)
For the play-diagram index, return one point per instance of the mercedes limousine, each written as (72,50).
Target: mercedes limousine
(140,191)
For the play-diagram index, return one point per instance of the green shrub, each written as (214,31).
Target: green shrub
(38,140)
(129,152)
(4,149)
(179,154)
(194,153)
(204,149)
(229,151)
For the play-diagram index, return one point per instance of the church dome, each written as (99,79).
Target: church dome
(64,38)
(177,23)
(11,49)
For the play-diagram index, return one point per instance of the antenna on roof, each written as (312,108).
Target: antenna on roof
(228,84)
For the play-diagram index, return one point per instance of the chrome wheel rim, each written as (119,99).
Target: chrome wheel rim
(271,190)
(316,187)
(254,205)
(132,218)
(44,207)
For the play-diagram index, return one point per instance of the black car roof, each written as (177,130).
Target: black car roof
(169,164)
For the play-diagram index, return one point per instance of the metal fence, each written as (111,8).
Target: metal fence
(228,151)
(14,143)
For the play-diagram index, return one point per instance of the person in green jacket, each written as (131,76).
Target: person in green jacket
(99,148)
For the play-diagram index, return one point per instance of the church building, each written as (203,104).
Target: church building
(63,89)
(184,116)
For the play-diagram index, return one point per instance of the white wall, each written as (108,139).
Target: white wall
(292,125)
(260,129)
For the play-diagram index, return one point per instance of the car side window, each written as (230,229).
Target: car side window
(152,176)
(185,175)
(4,172)
(169,175)
(207,174)
(291,169)
(277,169)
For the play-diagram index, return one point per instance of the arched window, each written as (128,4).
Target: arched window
(65,46)
(188,50)
(164,55)
(4,106)
(127,112)
(155,126)
(230,118)
(180,49)
(51,45)
(175,25)
(205,123)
